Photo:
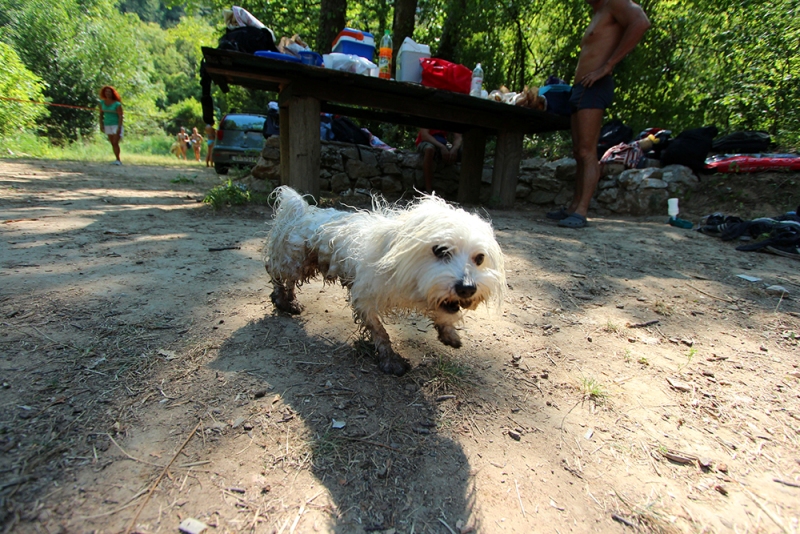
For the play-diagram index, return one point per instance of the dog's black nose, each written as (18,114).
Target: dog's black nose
(465,289)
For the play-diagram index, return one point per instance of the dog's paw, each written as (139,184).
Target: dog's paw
(394,366)
(449,336)
(392,363)
(285,303)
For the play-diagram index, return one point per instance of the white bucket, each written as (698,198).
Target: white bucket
(408,67)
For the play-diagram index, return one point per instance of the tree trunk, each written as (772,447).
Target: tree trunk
(331,22)
(450,30)
(403,25)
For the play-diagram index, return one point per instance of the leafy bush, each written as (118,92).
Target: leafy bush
(227,194)
(187,113)
(16,81)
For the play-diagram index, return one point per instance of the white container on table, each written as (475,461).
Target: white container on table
(408,67)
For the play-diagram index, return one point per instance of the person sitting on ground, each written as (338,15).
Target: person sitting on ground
(183,142)
(211,137)
(197,143)
(433,143)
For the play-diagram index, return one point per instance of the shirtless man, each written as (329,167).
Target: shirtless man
(616,28)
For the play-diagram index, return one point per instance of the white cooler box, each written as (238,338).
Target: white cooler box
(408,67)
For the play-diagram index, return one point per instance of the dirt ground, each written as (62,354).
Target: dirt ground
(633,382)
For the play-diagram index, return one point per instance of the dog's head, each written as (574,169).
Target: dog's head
(445,256)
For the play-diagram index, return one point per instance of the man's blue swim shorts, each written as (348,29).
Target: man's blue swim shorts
(598,96)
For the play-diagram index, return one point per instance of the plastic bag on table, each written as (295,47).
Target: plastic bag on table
(293,45)
(348,63)
(443,74)
(237,17)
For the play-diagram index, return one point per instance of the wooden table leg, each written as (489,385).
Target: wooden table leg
(300,144)
(474,149)
(507,158)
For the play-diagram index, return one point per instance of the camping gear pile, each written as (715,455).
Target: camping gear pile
(699,149)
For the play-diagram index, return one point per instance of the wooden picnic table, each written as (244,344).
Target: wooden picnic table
(306,91)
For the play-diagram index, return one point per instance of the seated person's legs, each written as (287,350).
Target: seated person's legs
(428,164)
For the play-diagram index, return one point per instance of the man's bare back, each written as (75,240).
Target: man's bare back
(615,29)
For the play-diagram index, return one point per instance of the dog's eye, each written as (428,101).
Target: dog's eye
(479,259)
(441,252)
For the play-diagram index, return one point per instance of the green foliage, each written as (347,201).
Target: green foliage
(76,47)
(152,149)
(153,11)
(187,113)
(227,194)
(729,63)
(16,81)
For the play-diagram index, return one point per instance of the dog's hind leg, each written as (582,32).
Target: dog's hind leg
(389,361)
(284,299)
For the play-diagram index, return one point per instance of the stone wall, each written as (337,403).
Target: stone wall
(348,169)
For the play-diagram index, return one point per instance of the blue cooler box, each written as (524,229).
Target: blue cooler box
(277,55)
(356,42)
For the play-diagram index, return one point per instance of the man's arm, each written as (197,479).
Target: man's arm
(453,154)
(425,135)
(634,23)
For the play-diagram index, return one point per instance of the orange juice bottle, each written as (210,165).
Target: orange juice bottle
(385,56)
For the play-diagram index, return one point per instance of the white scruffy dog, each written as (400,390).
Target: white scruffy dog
(428,257)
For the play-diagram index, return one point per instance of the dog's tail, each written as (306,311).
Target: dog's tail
(288,203)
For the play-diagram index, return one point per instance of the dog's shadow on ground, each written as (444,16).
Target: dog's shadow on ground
(388,466)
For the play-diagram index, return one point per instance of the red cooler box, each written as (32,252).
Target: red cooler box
(356,42)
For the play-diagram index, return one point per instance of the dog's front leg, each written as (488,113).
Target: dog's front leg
(388,360)
(284,299)
(447,332)
(449,336)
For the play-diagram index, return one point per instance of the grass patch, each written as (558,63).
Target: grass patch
(611,328)
(689,357)
(662,308)
(592,389)
(136,149)
(447,376)
(227,194)
(180,179)
(328,446)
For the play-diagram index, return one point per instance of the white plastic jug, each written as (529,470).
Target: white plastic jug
(408,67)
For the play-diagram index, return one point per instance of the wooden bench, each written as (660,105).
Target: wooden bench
(305,91)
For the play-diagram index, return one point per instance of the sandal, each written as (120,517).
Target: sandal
(557,215)
(575,220)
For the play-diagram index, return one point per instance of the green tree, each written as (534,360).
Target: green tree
(76,47)
(18,82)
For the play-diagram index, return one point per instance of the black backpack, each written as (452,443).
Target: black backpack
(690,148)
(611,134)
(347,131)
(749,142)
(248,39)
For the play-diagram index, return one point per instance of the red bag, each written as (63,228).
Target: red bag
(442,74)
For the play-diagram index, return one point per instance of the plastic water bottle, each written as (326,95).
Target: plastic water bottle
(385,56)
(477,81)
(672,210)
(672,207)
